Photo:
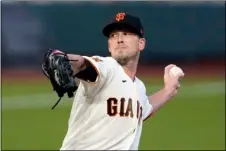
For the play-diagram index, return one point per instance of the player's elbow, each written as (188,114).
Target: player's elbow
(89,73)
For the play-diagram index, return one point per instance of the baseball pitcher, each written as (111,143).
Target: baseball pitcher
(110,103)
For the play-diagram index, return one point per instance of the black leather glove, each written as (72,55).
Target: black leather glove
(58,69)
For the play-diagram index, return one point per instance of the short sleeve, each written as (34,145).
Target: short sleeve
(147,109)
(104,68)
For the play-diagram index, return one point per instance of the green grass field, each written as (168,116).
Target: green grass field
(194,119)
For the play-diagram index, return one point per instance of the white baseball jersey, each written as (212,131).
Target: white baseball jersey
(107,114)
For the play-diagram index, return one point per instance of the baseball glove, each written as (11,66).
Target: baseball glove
(58,69)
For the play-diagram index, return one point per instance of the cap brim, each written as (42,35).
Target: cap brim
(119,25)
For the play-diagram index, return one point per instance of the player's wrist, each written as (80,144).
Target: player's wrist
(169,91)
(77,62)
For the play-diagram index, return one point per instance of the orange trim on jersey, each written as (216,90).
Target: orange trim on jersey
(96,59)
(98,74)
(149,116)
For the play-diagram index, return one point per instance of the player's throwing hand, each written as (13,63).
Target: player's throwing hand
(172,75)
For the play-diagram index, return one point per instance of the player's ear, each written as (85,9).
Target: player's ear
(109,49)
(142,43)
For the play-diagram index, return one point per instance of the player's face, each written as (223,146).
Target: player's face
(125,45)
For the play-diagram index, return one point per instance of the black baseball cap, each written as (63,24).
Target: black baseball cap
(126,21)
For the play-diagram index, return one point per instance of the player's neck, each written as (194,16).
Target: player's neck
(129,72)
(131,68)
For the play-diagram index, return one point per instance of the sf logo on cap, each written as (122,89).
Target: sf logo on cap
(120,16)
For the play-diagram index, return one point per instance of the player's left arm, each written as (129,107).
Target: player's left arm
(83,68)
(161,97)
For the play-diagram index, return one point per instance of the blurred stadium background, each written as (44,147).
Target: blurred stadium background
(189,34)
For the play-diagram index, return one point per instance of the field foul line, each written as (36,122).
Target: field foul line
(47,100)
(34,101)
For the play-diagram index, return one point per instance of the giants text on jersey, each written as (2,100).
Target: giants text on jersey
(107,114)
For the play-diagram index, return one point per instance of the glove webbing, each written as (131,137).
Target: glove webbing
(70,93)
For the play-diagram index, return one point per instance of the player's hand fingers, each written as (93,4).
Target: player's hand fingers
(167,76)
(167,68)
(178,77)
(177,86)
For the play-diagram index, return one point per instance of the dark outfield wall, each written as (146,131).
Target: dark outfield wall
(182,32)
